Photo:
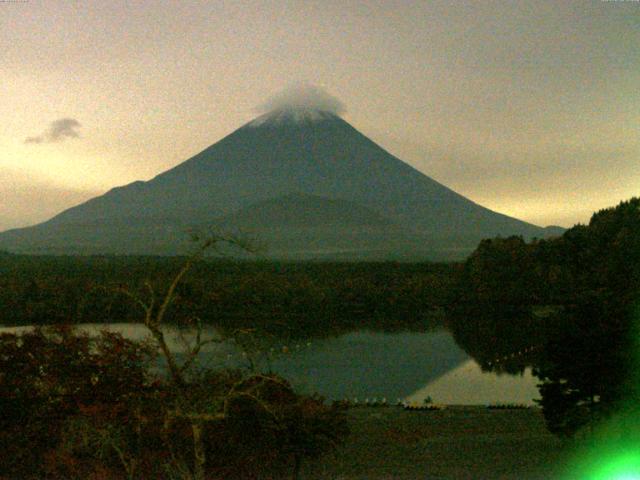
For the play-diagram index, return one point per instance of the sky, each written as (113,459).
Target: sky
(530,108)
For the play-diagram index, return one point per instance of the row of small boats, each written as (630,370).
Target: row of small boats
(426,405)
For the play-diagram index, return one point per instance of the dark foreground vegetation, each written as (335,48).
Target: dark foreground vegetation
(80,407)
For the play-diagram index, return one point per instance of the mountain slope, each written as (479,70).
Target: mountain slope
(315,154)
(298,210)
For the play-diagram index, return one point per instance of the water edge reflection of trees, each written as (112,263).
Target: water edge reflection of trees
(573,299)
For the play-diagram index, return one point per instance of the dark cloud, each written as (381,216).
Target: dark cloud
(37,139)
(63,128)
(58,131)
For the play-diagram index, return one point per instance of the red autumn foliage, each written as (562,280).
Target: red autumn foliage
(75,406)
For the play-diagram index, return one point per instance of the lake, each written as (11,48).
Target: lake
(362,364)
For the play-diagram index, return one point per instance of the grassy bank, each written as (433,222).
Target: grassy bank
(455,443)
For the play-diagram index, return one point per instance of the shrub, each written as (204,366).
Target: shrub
(79,407)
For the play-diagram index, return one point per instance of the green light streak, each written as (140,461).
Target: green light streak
(624,466)
(613,451)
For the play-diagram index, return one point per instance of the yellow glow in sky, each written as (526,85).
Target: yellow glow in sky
(529,108)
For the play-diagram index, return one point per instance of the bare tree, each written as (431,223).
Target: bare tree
(187,406)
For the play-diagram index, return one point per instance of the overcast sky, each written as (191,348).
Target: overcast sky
(530,108)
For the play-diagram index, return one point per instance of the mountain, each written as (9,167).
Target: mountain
(304,180)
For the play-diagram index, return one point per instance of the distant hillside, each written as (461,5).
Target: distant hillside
(299,210)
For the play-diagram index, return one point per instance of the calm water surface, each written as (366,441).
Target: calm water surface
(362,365)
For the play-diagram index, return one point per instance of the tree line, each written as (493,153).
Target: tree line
(293,299)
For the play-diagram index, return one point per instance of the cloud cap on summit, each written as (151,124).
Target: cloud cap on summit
(303,97)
